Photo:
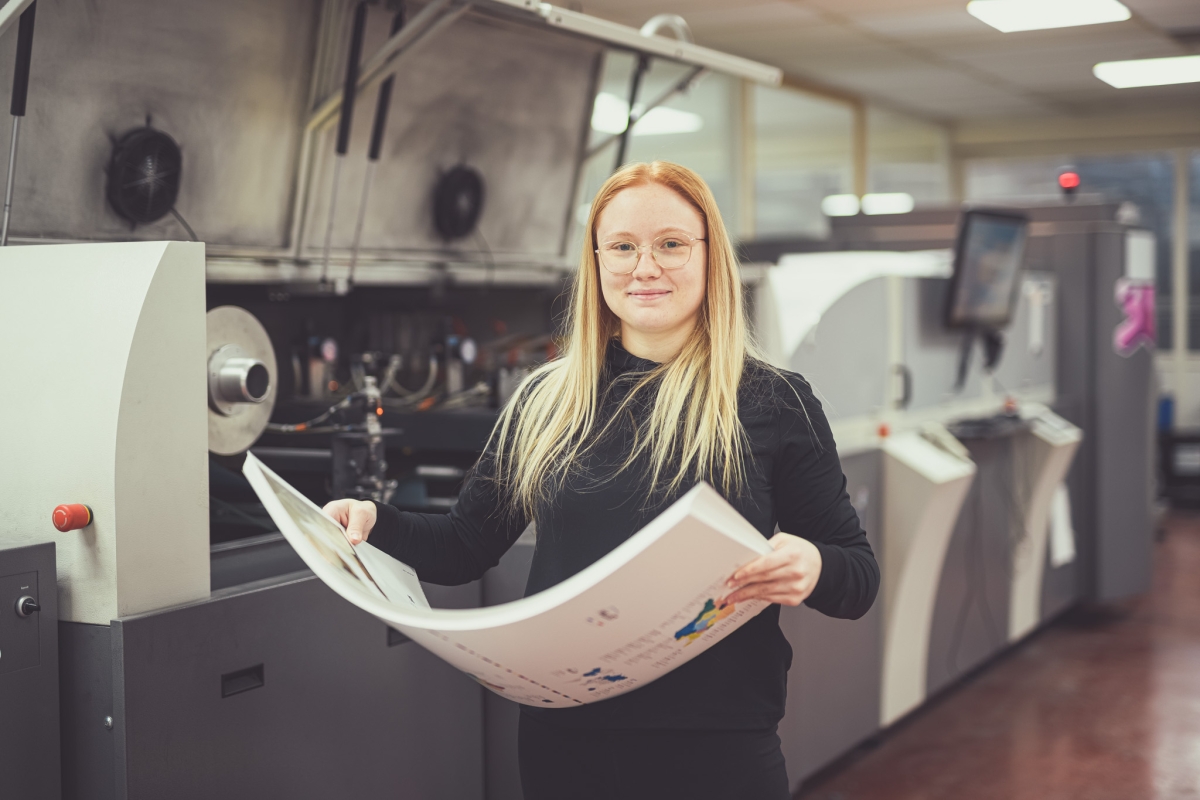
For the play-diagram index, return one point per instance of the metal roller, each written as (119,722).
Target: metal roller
(241,379)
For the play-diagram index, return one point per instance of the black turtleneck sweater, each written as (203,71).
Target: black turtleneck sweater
(795,482)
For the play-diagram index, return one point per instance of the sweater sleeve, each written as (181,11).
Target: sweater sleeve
(810,497)
(455,548)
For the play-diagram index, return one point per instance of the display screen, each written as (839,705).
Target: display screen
(991,247)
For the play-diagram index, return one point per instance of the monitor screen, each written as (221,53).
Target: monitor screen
(987,263)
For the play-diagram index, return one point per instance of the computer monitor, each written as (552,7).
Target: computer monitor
(987,264)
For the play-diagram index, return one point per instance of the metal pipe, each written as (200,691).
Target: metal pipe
(358,223)
(682,85)
(11,9)
(421,24)
(675,23)
(635,83)
(8,190)
(306,167)
(20,93)
(383,102)
(346,117)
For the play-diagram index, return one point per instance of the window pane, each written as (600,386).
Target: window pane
(803,153)
(907,155)
(694,129)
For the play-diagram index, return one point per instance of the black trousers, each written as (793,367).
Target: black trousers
(570,764)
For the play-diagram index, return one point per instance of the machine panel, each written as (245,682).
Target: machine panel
(502,584)
(277,690)
(29,752)
(1124,409)
(970,619)
(833,685)
(846,359)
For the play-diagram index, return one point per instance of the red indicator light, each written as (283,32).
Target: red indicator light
(1068,180)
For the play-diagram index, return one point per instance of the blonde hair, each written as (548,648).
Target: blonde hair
(693,428)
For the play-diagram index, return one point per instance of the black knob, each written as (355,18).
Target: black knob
(26,606)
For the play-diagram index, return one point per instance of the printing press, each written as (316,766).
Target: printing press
(364,296)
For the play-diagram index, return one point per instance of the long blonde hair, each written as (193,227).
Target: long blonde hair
(693,427)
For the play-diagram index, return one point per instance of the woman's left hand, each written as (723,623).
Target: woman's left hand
(786,576)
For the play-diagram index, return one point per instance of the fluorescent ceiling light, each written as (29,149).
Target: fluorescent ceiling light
(1149,71)
(610,114)
(1033,15)
(887,203)
(840,205)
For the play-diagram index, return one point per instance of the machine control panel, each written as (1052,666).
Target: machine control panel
(19,637)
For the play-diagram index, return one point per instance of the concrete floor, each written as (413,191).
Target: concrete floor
(1103,705)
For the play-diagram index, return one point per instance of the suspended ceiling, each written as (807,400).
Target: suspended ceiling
(932,58)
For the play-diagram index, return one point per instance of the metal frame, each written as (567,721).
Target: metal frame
(436,18)
(11,12)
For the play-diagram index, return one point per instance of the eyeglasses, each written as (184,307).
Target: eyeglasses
(670,251)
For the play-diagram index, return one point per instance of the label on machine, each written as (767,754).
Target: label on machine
(647,607)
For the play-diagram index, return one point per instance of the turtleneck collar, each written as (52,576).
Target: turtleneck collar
(621,360)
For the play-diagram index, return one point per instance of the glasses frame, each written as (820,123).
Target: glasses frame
(650,247)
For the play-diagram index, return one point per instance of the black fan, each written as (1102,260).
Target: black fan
(457,202)
(143,176)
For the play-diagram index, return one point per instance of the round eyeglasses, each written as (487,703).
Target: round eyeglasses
(670,251)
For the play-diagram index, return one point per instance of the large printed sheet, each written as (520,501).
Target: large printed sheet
(639,612)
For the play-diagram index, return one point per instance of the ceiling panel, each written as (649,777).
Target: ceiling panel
(930,56)
(1167,13)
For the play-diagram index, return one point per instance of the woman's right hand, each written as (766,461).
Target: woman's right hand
(356,516)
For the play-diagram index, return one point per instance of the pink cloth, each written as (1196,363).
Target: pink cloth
(1138,329)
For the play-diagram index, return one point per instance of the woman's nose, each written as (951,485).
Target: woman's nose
(646,266)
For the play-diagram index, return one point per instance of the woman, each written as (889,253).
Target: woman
(655,390)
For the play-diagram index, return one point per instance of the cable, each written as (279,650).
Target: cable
(179,218)
(414,396)
(489,263)
(467,397)
(309,426)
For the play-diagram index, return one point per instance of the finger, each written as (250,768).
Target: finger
(787,573)
(337,510)
(791,571)
(362,519)
(773,592)
(760,565)
(787,598)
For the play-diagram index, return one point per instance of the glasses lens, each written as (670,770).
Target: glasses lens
(619,257)
(672,252)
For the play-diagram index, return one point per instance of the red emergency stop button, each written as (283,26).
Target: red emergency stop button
(71,517)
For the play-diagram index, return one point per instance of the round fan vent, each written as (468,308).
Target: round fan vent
(458,202)
(143,176)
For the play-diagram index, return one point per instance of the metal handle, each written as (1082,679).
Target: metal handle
(20,90)
(26,606)
(384,101)
(906,380)
(350,87)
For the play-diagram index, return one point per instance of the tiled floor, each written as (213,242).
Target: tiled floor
(1102,706)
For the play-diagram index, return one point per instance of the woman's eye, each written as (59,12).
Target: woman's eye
(670,244)
(622,247)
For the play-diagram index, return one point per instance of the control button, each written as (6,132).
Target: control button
(71,517)
(26,606)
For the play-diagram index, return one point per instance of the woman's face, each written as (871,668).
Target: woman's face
(651,301)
